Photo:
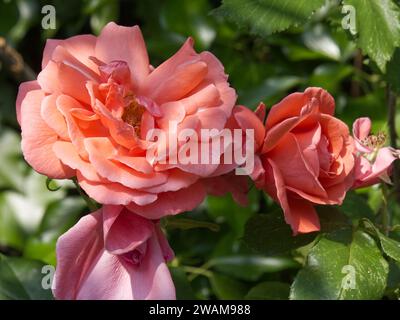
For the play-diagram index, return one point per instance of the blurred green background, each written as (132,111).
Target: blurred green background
(212,261)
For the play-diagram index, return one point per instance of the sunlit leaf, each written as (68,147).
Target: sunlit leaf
(378,28)
(268,16)
(345,264)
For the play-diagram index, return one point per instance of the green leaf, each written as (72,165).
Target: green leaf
(103,12)
(225,209)
(8,16)
(193,20)
(60,216)
(393,71)
(270,88)
(389,246)
(355,206)
(251,267)
(330,76)
(28,10)
(183,288)
(394,275)
(44,251)
(186,224)
(319,40)
(378,28)
(22,279)
(265,17)
(269,234)
(227,288)
(11,233)
(342,265)
(12,168)
(269,290)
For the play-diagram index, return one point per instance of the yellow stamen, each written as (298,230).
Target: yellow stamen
(133,115)
(375,141)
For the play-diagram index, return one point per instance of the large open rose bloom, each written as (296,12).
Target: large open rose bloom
(94,101)
(307,157)
(113,254)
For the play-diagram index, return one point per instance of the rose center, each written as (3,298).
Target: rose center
(132,114)
(375,141)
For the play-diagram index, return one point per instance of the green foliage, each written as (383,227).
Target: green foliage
(269,290)
(393,71)
(270,234)
(389,246)
(21,279)
(265,17)
(378,27)
(227,288)
(336,257)
(356,207)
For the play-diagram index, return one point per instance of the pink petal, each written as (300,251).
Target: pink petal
(185,78)
(23,89)
(114,193)
(38,139)
(276,132)
(101,150)
(58,77)
(361,130)
(125,44)
(166,249)
(81,47)
(247,119)
(76,251)
(53,117)
(124,230)
(152,279)
(382,164)
(170,203)
(292,105)
(68,155)
(295,169)
(164,71)
(299,213)
(261,111)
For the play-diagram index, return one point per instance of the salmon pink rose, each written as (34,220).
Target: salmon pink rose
(113,254)
(92,105)
(307,157)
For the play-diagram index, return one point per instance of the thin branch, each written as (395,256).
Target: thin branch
(355,83)
(385,210)
(391,104)
(14,64)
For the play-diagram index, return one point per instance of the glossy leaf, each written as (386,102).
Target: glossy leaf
(22,279)
(378,28)
(345,264)
(390,246)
